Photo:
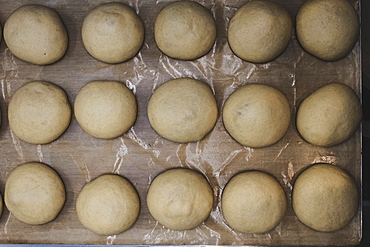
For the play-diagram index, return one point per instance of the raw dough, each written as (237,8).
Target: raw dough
(34,193)
(39,112)
(112,33)
(36,34)
(185,30)
(259,31)
(327,29)
(325,197)
(180,199)
(330,115)
(256,115)
(105,109)
(183,110)
(253,202)
(108,205)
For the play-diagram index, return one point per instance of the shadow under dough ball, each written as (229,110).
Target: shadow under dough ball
(36,34)
(259,31)
(105,109)
(183,110)
(108,205)
(256,115)
(180,199)
(34,193)
(185,30)
(253,202)
(39,112)
(325,197)
(330,115)
(328,29)
(112,33)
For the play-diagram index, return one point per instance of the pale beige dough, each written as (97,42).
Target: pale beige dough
(183,110)
(325,197)
(180,199)
(328,29)
(256,115)
(185,30)
(39,112)
(259,31)
(330,115)
(253,202)
(112,32)
(36,34)
(34,193)
(108,205)
(105,109)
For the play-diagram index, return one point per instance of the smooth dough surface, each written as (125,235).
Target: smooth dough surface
(36,34)
(256,115)
(39,112)
(328,29)
(185,30)
(183,110)
(180,199)
(325,197)
(330,115)
(108,205)
(105,109)
(259,31)
(34,193)
(112,32)
(253,202)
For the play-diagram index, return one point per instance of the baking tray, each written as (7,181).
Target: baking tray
(140,154)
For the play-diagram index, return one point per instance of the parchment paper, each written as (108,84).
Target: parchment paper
(140,154)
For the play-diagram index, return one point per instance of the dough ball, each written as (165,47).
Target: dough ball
(180,199)
(325,197)
(108,205)
(36,34)
(253,202)
(39,112)
(256,115)
(112,33)
(259,31)
(105,109)
(185,30)
(330,115)
(34,193)
(328,29)
(183,110)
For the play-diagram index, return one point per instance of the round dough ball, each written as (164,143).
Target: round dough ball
(112,33)
(256,115)
(253,202)
(39,112)
(325,197)
(328,29)
(180,199)
(108,205)
(34,193)
(259,31)
(105,109)
(185,30)
(183,110)
(330,115)
(36,34)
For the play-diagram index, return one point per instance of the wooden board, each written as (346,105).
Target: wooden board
(141,154)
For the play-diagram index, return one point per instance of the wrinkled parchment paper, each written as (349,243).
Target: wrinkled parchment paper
(140,154)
